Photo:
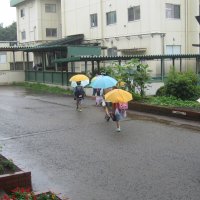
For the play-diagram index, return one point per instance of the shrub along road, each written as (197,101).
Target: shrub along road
(81,156)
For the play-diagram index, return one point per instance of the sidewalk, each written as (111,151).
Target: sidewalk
(173,121)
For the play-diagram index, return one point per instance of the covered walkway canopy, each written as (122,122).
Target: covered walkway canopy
(93,63)
(119,59)
(57,45)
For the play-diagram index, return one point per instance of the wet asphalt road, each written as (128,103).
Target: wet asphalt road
(82,157)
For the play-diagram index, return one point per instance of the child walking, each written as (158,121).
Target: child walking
(99,97)
(116,115)
(79,94)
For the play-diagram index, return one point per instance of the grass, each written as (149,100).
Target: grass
(159,100)
(172,102)
(44,88)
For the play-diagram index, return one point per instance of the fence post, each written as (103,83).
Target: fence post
(67,74)
(162,70)
(62,76)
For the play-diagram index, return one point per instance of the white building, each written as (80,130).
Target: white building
(123,27)
(11,58)
(11,63)
(128,27)
(132,27)
(38,21)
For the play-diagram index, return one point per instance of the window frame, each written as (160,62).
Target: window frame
(50,32)
(173,49)
(111,17)
(50,8)
(3,57)
(22,12)
(23,35)
(112,51)
(133,16)
(93,20)
(171,11)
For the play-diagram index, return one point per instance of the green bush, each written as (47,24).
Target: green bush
(136,96)
(172,102)
(161,91)
(182,85)
(9,164)
(1,169)
(198,91)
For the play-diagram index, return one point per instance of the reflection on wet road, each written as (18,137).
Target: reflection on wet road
(81,155)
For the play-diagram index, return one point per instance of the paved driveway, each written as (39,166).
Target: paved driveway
(81,156)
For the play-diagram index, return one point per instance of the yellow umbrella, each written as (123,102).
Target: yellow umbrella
(121,84)
(79,77)
(118,96)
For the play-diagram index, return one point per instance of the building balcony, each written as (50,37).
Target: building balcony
(13,3)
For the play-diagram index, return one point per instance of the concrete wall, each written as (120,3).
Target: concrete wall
(153,87)
(151,90)
(8,77)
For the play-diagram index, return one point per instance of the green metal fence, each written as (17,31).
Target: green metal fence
(62,78)
(49,77)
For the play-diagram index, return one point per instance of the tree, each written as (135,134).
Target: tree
(134,73)
(8,33)
(140,74)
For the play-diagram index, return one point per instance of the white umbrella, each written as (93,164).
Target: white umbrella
(83,83)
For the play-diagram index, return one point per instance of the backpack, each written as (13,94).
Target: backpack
(79,92)
(123,106)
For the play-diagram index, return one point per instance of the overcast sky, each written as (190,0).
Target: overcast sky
(7,13)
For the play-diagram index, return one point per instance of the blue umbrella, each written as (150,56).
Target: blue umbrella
(103,82)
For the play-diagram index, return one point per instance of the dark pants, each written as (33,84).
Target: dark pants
(94,91)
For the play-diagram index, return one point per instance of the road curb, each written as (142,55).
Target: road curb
(160,110)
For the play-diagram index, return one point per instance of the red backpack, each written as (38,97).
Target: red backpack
(123,106)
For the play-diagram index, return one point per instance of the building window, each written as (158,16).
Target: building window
(111,17)
(51,32)
(23,34)
(112,51)
(173,49)
(2,57)
(50,8)
(22,12)
(172,11)
(134,13)
(93,20)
